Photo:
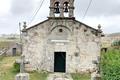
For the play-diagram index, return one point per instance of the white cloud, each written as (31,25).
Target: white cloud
(4,7)
(109,24)
(20,7)
(42,14)
(104,12)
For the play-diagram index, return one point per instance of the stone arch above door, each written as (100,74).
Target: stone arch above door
(60,32)
(60,26)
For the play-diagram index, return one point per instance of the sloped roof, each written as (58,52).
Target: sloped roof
(61,18)
(86,25)
(37,24)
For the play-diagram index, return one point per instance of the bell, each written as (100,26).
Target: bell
(66,7)
(57,11)
(66,10)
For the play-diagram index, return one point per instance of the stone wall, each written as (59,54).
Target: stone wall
(61,35)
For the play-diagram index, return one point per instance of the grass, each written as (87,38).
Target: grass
(1,58)
(38,76)
(110,65)
(6,68)
(4,44)
(7,71)
(9,39)
(81,76)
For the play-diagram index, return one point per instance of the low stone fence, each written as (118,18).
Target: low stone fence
(3,51)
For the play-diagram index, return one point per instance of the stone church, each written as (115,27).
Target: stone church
(61,43)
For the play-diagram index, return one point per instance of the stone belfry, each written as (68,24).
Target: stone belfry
(61,7)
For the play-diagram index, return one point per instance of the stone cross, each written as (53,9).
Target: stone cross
(22,63)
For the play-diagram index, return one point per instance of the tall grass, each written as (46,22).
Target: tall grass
(110,65)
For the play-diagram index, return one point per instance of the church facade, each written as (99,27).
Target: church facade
(60,43)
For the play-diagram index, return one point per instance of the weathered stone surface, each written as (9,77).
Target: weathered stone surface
(44,39)
(80,42)
(95,76)
(22,63)
(59,76)
(22,76)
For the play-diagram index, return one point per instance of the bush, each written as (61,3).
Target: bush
(16,67)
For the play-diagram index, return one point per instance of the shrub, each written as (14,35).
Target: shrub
(16,67)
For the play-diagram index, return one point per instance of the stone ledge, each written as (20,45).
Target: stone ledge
(59,76)
(22,76)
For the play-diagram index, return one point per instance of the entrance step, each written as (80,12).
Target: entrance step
(59,76)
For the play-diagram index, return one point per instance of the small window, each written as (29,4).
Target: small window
(77,27)
(85,30)
(60,30)
(76,54)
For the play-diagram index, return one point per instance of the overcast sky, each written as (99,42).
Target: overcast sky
(104,12)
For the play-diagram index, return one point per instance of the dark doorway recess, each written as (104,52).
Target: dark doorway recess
(60,62)
(14,51)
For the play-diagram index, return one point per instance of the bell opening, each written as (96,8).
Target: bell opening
(66,7)
(57,8)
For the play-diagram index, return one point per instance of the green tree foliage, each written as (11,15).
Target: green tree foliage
(116,43)
(119,42)
(110,65)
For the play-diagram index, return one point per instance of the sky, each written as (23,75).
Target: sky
(104,12)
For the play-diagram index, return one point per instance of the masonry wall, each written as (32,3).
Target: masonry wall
(78,41)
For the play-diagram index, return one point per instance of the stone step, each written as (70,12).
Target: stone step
(59,76)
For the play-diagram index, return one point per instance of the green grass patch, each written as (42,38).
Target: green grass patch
(1,58)
(8,71)
(16,67)
(110,65)
(81,76)
(38,76)
(6,68)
